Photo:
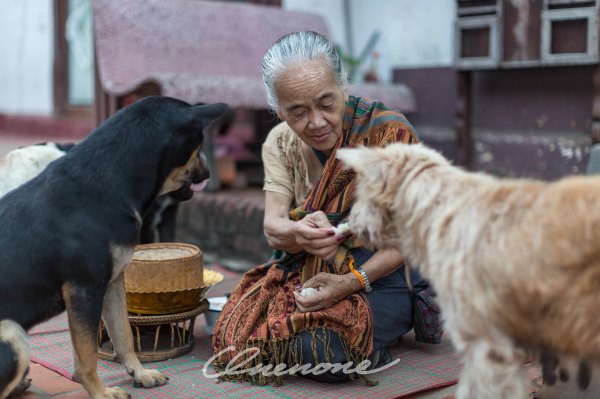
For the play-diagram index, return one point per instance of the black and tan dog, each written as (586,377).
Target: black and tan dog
(67,234)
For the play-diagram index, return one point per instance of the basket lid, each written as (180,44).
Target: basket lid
(164,267)
(165,251)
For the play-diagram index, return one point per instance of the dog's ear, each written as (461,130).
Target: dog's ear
(205,114)
(359,159)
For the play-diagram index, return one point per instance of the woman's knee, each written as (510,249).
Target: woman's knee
(320,348)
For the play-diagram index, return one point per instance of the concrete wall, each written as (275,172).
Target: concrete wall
(26,51)
(413,34)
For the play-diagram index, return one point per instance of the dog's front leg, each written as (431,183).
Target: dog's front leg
(84,307)
(117,324)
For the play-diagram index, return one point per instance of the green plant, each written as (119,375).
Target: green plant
(353,63)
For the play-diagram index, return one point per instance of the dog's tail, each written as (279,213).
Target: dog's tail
(14,358)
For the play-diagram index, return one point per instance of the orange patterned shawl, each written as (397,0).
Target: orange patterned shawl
(261,312)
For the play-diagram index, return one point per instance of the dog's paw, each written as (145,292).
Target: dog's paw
(149,379)
(112,393)
(537,393)
(22,387)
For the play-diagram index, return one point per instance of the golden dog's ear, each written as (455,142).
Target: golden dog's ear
(370,164)
(360,160)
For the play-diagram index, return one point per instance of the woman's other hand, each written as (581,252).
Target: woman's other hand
(331,288)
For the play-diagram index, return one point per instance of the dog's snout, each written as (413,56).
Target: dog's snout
(200,175)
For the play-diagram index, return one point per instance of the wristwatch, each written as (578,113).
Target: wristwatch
(368,287)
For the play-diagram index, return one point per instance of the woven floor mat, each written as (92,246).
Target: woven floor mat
(421,367)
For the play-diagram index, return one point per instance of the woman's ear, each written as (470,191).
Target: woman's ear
(346,94)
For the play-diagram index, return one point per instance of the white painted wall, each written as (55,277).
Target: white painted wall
(80,42)
(331,10)
(414,33)
(26,54)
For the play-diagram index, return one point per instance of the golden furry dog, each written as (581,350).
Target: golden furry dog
(515,263)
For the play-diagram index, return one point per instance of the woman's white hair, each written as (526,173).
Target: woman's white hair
(298,47)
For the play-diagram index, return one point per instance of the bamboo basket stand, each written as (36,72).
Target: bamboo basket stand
(165,286)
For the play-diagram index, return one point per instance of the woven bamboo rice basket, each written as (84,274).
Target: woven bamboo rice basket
(166,278)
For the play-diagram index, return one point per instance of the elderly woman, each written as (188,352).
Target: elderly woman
(359,302)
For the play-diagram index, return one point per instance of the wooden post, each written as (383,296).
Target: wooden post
(595,130)
(208,148)
(464,118)
(61,58)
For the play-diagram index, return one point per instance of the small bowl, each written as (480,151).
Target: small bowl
(174,301)
(214,310)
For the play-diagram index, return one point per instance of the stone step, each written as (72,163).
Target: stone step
(227,226)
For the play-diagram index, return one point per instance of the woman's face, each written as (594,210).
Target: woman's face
(312,103)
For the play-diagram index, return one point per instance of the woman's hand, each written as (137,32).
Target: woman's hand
(331,288)
(315,235)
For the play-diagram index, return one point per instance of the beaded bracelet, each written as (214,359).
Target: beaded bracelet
(365,280)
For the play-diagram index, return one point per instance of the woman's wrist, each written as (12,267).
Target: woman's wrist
(281,234)
(353,283)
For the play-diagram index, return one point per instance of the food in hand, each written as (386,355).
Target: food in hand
(308,291)
(341,228)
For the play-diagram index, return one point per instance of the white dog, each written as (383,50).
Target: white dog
(16,168)
(23,164)
(515,263)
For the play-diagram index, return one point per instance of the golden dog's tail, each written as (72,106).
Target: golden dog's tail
(14,358)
